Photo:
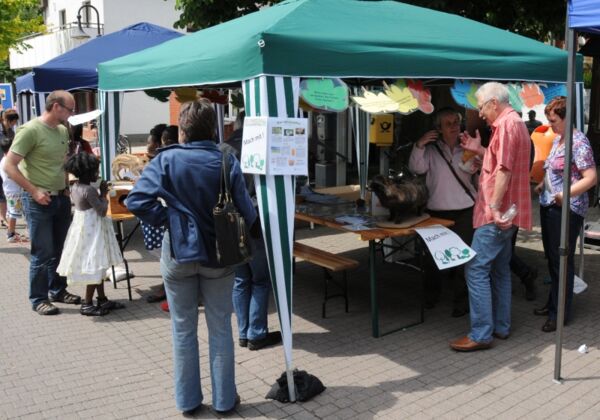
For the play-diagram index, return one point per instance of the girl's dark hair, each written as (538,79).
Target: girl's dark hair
(75,131)
(83,165)
(156,133)
(170,135)
(198,120)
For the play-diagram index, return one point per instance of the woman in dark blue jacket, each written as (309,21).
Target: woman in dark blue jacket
(186,176)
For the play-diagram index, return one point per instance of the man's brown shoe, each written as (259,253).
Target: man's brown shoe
(466,344)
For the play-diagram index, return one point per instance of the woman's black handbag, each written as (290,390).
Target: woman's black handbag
(234,245)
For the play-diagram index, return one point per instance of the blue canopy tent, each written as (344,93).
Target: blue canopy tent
(583,16)
(77,69)
(29,102)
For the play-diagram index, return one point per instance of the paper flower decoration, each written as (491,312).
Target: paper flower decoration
(185,94)
(401,95)
(325,94)
(552,90)
(514,96)
(463,93)
(422,94)
(376,103)
(532,95)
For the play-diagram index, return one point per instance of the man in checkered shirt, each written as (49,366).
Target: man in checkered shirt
(504,181)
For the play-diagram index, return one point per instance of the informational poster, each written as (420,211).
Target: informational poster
(445,246)
(6,96)
(275,146)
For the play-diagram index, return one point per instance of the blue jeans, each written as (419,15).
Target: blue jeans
(251,294)
(489,283)
(185,284)
(48,226)
(550,219)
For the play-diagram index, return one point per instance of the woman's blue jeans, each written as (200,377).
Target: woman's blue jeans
(185,284)
(489,282)
(251,295)
(550,219)
(48,226)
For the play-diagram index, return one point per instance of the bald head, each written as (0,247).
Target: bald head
(61,97)
(60,105)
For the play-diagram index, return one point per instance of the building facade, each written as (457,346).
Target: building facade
(139,111)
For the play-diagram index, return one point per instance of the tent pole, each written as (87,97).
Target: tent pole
(566,208)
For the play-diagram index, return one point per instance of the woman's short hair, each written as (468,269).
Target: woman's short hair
(83,165)
(492,90)
(198,120)
(558,105)
(443,112)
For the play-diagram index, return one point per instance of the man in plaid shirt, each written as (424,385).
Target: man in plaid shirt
(504,181)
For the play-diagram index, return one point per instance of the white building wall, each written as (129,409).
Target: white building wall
(139,111)
(121,13)
(71,7)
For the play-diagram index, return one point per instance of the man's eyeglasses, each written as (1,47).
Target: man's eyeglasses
(71,110)
(480,107)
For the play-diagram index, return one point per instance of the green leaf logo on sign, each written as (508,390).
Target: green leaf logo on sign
(325,94)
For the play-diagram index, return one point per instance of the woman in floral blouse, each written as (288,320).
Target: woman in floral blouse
(583,177)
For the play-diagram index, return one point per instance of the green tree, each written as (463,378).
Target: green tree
(539,19)
(200,14)
(18,18)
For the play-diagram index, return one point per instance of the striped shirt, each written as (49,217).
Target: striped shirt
(509,149)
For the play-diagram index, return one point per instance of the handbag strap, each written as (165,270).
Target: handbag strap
(462,184)
(225,193)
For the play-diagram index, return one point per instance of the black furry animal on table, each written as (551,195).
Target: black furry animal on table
(404,196)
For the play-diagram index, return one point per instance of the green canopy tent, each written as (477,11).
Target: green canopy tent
(269,50)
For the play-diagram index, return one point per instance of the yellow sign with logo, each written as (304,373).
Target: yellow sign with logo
(381,131)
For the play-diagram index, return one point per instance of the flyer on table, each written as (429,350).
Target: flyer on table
(445,246)
(275,146)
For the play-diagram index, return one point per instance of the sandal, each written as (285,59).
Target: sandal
(46,308)
(88,309)
(104,303)
(66,297)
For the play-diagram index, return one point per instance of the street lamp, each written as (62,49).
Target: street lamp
(80,34)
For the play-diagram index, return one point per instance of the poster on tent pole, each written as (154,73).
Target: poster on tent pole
(275,146)
(445,246)
(6,96)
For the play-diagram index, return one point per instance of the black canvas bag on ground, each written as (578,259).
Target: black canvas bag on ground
(232,234)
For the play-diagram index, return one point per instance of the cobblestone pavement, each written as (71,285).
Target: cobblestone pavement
(119,366)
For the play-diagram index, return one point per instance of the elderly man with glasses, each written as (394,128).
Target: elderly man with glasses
(504,181)
(40,146)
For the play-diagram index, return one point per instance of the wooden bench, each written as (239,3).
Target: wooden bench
(327,261)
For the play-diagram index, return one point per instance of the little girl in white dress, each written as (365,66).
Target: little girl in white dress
(91,246)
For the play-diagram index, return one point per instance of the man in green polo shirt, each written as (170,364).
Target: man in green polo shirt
(35,162)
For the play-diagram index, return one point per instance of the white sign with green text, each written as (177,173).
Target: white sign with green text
(445,246)
(275,146)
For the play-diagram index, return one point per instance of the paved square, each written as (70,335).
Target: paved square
(119,366)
